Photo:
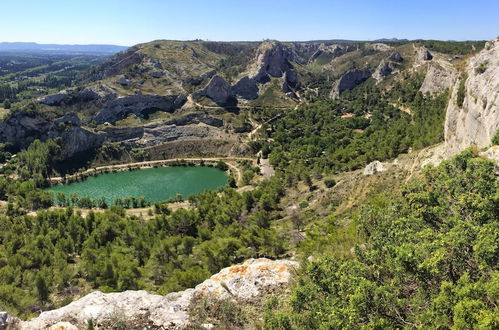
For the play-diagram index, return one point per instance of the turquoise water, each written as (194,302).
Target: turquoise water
(155,184)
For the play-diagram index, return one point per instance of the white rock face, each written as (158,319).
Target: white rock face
(139,308)
(440,76)
(380,47)
(476,122)
(374,167)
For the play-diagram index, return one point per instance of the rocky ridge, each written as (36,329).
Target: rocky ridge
(253,279)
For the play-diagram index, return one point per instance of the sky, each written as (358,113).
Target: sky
(128,22)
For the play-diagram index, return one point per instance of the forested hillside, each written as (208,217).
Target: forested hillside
(324,146)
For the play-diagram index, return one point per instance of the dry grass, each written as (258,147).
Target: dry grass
(3,113)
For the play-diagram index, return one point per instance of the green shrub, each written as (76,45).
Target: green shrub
(495,139)
(482,67)
(330,183)
(461,91)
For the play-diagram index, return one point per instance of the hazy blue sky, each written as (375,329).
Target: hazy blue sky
(128,22)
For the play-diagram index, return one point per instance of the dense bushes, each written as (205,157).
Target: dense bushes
(430,260)
(365,125)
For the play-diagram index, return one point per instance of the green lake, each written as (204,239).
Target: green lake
(155,184)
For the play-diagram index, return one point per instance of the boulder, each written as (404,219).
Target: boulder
(374,167)
(246,282)
(349,80)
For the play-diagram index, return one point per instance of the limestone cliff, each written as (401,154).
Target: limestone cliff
(472,116)
(248,282)
(22,127)
(349,81)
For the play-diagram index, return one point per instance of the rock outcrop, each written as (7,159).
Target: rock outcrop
(492,153)
(374,167)
(332,50)
(75,140)
(88,94)
(439,76)
(199,79)
(184,128)
(245,88)
(53,99)
(139,105)
(218,89)
(272,60)
(246,282)
(349,80)
(423,54)
(472,118)
(22,128)
(379,47)
(121,61)
(395,56)
(384,69)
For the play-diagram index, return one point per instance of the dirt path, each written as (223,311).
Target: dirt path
(258,126)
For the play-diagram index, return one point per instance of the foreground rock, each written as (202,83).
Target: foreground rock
(247,281)
(472,118)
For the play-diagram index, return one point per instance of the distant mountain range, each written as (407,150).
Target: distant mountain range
(35,47)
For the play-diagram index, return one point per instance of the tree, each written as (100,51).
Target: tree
(42,288)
